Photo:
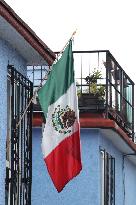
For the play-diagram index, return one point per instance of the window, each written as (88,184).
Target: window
(107,178)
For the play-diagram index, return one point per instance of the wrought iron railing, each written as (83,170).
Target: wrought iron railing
(102,86)
(19,140)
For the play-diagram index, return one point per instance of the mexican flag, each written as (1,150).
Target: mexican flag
(61,142)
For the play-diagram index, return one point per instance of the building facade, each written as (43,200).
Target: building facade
(106,107)
(108,148)
(19,47)
(107,176)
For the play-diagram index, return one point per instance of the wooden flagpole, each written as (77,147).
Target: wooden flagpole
(45,78)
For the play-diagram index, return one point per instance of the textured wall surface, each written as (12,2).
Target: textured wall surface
(85,188)
(82,190)
(107,145)
(7,55)
(125,174)
(129,182)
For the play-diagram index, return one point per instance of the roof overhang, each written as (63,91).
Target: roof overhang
(107,127)
(113,133)
(22,38)
(121,144)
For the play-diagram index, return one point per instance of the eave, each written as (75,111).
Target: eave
(28,34)
(112,132)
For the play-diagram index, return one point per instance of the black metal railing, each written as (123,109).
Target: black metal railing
(102,86)
(19,140)
(119,95)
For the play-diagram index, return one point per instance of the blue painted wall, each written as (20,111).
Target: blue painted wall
(11,56)
(107,145)
(130,182)
(82,190)
(85,188)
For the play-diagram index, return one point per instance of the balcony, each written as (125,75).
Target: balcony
(102,87)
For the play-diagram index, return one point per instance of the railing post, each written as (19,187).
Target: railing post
(107,73)
(133,132)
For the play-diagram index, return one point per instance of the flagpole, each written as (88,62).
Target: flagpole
(45,78)
(71,38)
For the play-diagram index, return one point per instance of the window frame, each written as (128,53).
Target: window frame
(107,162)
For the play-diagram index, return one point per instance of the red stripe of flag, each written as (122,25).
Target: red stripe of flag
(64,161)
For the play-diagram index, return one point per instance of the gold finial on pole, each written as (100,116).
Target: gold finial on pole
(74,33)
(71,38)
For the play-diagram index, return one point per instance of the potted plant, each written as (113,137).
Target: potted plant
(97,90)
(92,78)
(93,97)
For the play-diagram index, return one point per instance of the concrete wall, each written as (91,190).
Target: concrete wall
(107,145)
(129,177)
(85,189)
(125,174)
(82,190)
(8,55)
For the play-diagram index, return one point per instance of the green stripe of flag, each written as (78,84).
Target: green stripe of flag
(59,80)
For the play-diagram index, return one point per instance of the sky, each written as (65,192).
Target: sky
(100,24)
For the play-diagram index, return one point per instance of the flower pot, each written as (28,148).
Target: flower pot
(89,101)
